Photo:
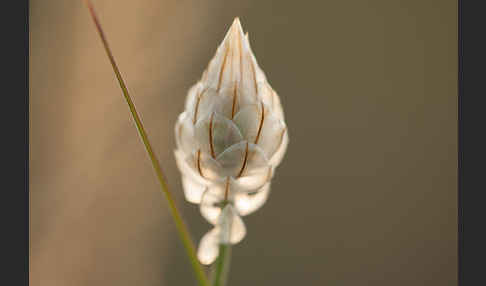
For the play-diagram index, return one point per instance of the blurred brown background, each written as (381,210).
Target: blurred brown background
(365,196)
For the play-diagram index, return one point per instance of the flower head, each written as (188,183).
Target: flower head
(230,138)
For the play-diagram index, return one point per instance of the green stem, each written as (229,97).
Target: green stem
(180,225)
(221,265)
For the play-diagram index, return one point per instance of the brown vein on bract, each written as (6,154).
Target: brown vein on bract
(282,137)
(245,161)
(196,109)
(180,132)
(223,66)
(272,92)
(269,175)
(232,74)
(233,108)
(254,75)
(205,74)
(261,124)
(241,58)
(226,190)
(211,136)
(198,163)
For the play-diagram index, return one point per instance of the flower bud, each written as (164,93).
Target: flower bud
(230,138)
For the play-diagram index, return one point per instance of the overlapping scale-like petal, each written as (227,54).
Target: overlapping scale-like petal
(247,203)
(229,229)
(233,229)
(208,249)
(215,133)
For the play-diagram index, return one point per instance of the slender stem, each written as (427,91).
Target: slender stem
(180,225)
(222,265)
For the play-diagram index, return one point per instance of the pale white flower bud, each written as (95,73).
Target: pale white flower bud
(230,138)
